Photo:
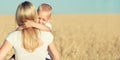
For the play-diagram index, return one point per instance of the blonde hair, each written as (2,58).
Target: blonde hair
(45,7)
(26,11)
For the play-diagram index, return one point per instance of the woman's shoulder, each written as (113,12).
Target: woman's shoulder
(47,36)
(47,33)
(14,32)
(12,37)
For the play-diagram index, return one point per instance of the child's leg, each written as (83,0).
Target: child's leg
(48,57)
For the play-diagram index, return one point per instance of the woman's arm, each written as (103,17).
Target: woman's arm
(4,49)
(53,52)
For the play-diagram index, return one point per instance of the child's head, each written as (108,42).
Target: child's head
(44,13)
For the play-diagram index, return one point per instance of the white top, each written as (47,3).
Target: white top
(49,25)
(21,54)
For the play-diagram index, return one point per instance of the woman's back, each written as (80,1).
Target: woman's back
(39,53)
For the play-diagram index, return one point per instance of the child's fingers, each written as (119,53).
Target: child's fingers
(23,26)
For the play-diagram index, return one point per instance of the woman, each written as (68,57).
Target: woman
(29,43)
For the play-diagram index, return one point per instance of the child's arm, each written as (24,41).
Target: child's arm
(41,27)
(37,25)
(19,28)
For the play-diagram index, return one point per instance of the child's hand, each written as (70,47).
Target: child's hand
(28,24)
(19,28)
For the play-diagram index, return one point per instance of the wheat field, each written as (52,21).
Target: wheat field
(79,37)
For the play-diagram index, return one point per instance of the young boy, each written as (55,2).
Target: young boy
(44,14)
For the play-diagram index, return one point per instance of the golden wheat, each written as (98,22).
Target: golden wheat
(79,37)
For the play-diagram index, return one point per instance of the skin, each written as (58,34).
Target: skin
(53,52)
(5,48)
(28,24)
(44,17)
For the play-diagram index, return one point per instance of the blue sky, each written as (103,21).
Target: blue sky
(67,6)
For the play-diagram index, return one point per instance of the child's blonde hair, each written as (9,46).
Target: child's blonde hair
(45,7)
